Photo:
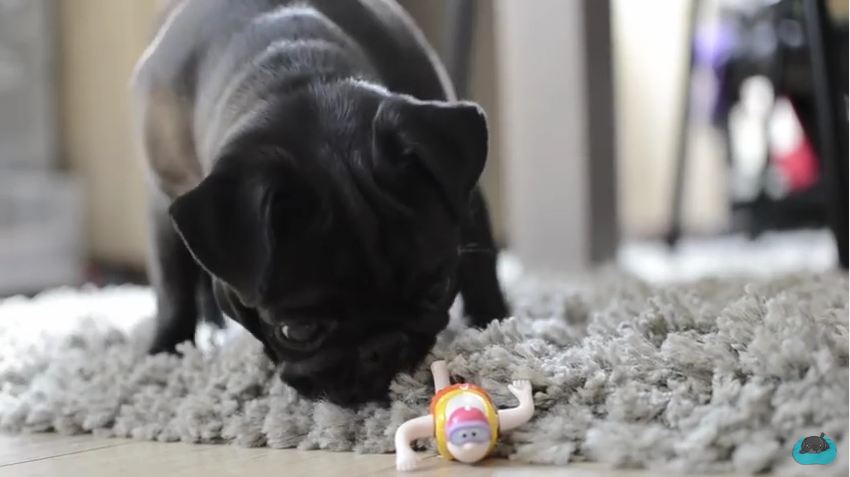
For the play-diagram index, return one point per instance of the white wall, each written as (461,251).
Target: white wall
(101,41)
(650,59)
(542,103)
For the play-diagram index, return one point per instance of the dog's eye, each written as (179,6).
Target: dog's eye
(299,332)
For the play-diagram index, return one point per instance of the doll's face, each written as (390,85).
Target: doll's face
(469,443)
(469,452)
(468,431)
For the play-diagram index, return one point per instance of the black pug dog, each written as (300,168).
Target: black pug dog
(312,171)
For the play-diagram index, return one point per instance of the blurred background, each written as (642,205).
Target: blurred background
(675,138)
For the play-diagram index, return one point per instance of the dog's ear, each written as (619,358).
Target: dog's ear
(225,224)
(449,139)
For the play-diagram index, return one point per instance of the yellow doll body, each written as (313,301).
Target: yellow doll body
(464,414)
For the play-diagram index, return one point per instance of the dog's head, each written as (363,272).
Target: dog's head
(331,226)
(814,445)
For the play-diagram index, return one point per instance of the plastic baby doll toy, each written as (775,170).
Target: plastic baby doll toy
(462,419)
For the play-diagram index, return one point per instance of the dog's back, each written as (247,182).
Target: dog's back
(189,28)
(201,45)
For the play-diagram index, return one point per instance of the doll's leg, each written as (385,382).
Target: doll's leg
(419,428)
(441,375)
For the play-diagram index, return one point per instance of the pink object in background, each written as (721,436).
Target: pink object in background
(791,153)
(799,165)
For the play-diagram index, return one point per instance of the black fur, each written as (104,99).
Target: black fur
(336,221)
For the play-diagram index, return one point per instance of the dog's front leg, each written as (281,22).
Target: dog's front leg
(174,276)
(479,285)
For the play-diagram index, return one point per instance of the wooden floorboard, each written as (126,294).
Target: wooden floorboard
(51,455)
(30,447)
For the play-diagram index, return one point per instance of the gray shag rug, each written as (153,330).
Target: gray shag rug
(709,376)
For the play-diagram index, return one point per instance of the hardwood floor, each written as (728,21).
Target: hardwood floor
(50,455)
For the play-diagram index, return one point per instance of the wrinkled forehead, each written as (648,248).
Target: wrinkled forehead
(349,98)
(324,122)
(347,103)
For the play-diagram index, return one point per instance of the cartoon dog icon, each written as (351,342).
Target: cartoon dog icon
(814,445)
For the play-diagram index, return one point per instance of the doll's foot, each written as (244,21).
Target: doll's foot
(406,461)
(440,371)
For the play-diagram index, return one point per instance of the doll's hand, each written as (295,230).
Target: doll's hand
(521,389)
(405,461)
(523,412)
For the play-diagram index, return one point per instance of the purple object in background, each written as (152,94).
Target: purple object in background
(713,45)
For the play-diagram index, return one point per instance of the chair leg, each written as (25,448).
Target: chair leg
(680,167)
(457,43)
(831,120)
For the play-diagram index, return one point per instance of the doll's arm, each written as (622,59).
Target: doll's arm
(517,416)
(418,428)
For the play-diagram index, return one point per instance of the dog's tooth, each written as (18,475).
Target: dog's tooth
(285,331)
